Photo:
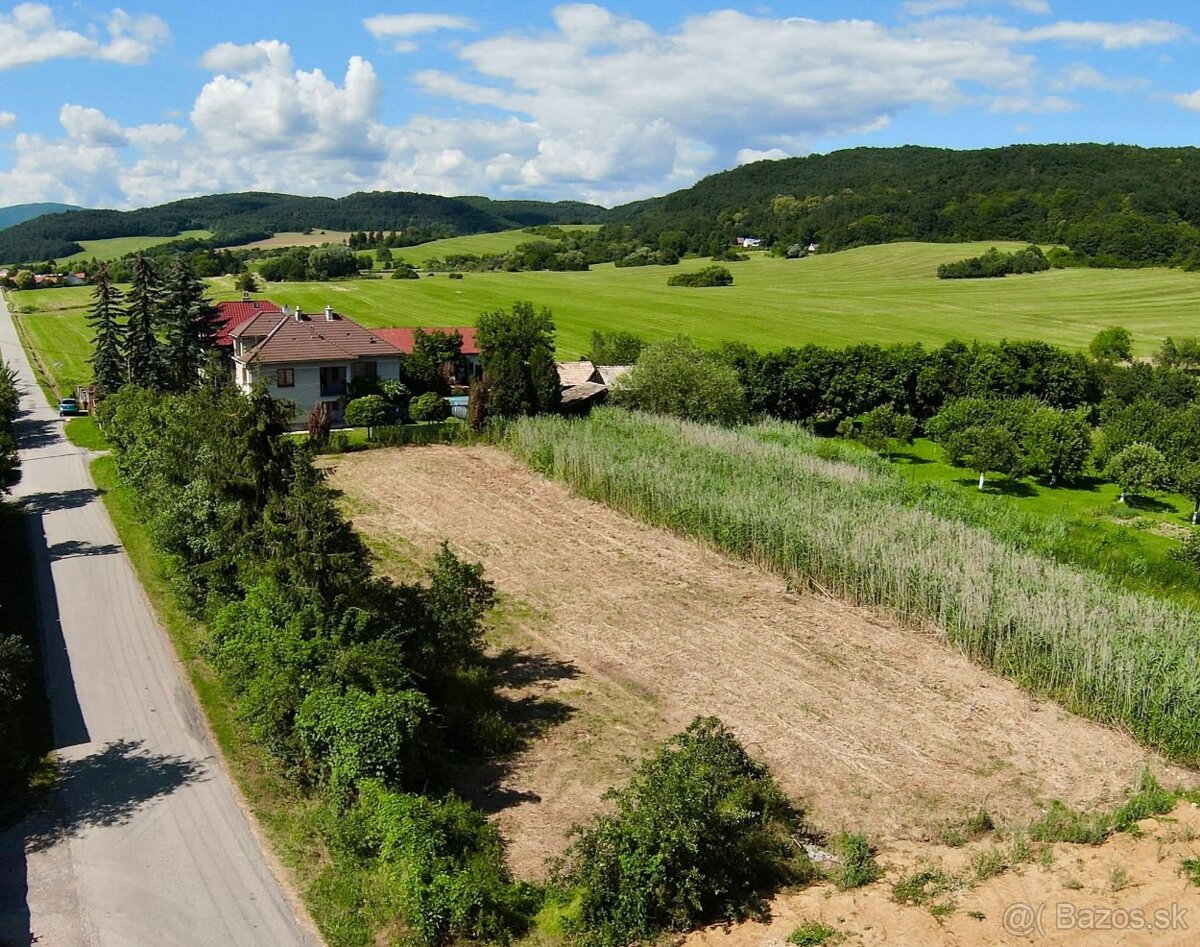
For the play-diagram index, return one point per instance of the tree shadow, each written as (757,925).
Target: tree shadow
(907,457)
(1147,504)
(55,500)
(522,678)
(108,788)
(73,548)
(1003,486)
(35,432)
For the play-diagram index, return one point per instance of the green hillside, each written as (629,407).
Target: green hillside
(241,218)
(19,213)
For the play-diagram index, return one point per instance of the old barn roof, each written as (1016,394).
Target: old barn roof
(571,374)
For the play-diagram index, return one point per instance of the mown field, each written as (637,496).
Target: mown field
(879,294)
(118,246)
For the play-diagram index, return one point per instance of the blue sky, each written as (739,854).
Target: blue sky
(134,105)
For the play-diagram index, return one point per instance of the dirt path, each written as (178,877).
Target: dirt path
(871,726)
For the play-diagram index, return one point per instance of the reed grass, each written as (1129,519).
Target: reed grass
(823,517)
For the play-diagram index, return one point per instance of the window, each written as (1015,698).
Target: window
(285,377)
(365,369)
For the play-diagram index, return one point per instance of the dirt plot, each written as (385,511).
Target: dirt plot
(871,726)
(314,238)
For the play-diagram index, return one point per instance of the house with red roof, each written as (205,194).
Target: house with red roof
(306,359)
(230,315)
(405,340)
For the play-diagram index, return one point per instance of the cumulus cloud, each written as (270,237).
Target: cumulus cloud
(599,107)
(7,120)
(31,34)
(259,101)
(929,7)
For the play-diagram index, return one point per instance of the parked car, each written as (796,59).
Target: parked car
(68,408)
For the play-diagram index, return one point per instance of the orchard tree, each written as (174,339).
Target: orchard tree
(246,283)
(142,306)
(883,427)
(1113,344)
(108,335)
(1056,443)
(985,448)
(1187,479)
(1137,469)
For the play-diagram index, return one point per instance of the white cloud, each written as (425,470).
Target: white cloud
(930,7)
(31,34)
(402,27)
(1188,100)
(7,120)
(1083,76)
(268,105)
(599,107)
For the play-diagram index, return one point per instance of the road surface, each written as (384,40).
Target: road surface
(144,841)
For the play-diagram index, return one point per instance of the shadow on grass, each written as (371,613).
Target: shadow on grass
(1002,486)
(1144,504)
(905,457)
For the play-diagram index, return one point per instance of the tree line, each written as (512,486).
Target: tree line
(158,334)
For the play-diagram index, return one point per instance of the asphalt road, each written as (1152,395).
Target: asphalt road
(144,841)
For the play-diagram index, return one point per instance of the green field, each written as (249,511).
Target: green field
(879,294)
(115,247)
(478,244)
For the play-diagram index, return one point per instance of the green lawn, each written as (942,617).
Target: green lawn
(478,244)
(1081,522)
(115,247)
(874,294)
(85,432)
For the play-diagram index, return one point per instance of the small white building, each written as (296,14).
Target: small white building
(306,359)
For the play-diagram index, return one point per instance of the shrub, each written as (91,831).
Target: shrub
(397,395)
(702,832)
(678,378)
(812,934)
(442,863)
(368,411)
(429,408)
(320,421)
(405,271)
(352,736)
(709,276)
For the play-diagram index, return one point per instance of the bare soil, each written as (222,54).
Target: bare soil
(627,632)
(314,239)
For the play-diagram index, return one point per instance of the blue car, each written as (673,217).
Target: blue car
(68,408)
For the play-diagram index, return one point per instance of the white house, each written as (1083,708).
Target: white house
(309,358)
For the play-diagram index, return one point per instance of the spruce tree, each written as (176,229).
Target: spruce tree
(108,335)
(188,323)
(143,303)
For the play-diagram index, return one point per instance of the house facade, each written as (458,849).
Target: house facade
(306,359)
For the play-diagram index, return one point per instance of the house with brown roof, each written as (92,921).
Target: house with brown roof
(405,339)
(230,315)
(306,359)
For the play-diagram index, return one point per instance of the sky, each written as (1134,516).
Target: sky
(148,102)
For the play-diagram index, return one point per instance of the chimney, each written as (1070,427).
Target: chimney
(299,315)
(329,314)
(245,295)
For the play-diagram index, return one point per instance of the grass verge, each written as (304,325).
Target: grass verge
(85,432)
(294,822)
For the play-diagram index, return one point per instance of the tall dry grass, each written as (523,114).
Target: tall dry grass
(789,502)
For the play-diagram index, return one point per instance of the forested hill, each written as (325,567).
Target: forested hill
(19,213)
(237,218)
(1114,204)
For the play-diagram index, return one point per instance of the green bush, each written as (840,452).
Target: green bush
(442,863)
(429,408)
(709,276)
(678,378)
(812,934)
(701,833)
(352,736)
(367,411)
(856,861)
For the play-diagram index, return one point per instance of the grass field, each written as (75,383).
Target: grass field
(479,244)
(314,238)
(115,247)
(875,294)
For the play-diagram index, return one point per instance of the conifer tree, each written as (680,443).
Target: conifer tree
(143,304)
(108,335)
(188,324)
